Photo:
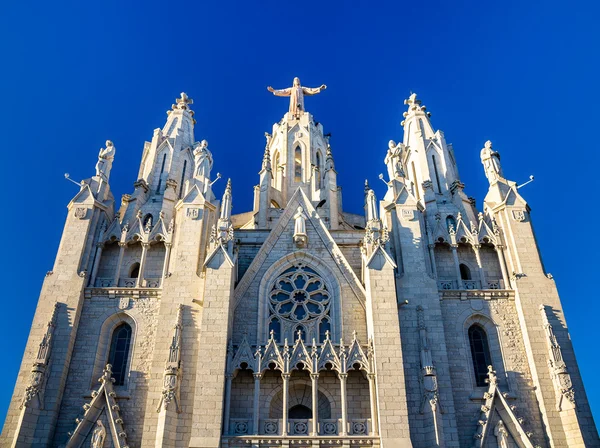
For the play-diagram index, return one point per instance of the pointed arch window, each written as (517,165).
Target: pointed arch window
(182,178)
(437,176)
(465,272)
(134,270)
(162,169)
(118,356)
(275,327)
(298,164)
(450,223)
(324,328)
(480,353)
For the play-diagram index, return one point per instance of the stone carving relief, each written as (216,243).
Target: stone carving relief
(99,435)
(563,386)
(172,374)
(80,212)
(300,236)
(39,372)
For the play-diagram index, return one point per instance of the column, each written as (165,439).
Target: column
(122,247)
(373,400)
(286,381)
(140,280)
(500,251)
(256,413)
(344,429)
(96,265)
(476,249)
(279,174)
(432,256)
(314,378)
(227,410)
(457,265)
(166,263)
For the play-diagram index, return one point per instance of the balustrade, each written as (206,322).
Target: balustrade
(450,284)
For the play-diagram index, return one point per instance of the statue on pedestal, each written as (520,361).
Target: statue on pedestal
(296,94)
(491,163)
(105,160)
(98,436)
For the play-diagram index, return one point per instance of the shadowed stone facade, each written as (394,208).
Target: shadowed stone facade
(424,322)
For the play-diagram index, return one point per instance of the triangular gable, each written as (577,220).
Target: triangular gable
(136,229)
(194,196)
(381,257)
(463,231)
(300,355)
(272,355)
(114,230)
(329,356)
(160,232)
(104,400)
(485,232)
(496,402)
(300,198)
(356,355)
(84,196)
(243,355)
(216,258)
(439,231)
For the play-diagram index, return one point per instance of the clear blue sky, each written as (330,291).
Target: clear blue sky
(522,74)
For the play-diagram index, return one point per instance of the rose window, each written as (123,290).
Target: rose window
(299,295)
(299,301)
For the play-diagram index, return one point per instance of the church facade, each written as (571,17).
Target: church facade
(168,321)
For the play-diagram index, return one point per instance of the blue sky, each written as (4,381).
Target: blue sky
(522,74)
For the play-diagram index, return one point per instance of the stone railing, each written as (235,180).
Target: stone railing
(126,282)
(449,284)
(299,427)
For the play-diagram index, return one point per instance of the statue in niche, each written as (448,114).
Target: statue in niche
(98,436)
(491,163)
(105,160)
(296,94)
(501,434)
(300,237)
(202,161)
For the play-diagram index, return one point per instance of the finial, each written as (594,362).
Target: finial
(138,214)
(183,102)
(299,334)
(354,335)
(228,186)
(327,335)
(272,335)
(266,162)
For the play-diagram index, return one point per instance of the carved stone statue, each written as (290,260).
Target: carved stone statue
(105,160)
(491,163)
(296,94)
(98,436)
(202,161)
(393,161)
(300,237)
(501,434)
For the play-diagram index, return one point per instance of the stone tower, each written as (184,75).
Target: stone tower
(422,323)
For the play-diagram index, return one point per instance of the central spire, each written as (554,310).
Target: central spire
(296,94)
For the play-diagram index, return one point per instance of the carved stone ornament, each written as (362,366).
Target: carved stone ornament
(193,213)
(124,303)
(518,215)
(408,214)
(172,373)
(80,212)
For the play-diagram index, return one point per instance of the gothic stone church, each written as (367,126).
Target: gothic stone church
(168,321)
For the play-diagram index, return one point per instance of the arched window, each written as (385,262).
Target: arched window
(480,352)
(134,270)
(162,169)
(300,331)
(275,327)
(119,352)
(437,176)
(298,164)
(465,272)
(324,327)
(182,178)
(300,412)
(147,219)
(415,182)
(450,221)
(319,170)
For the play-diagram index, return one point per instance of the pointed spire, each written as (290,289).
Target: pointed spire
(266,162)
(329,164)
(226,203)
(372,213)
